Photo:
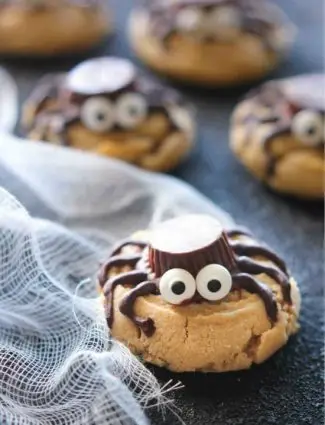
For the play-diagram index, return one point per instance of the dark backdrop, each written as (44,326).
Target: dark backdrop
(288,389)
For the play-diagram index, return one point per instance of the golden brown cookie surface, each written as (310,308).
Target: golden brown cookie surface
(120,113)
(210,42)
(47,27)
(278,134)
(189,295)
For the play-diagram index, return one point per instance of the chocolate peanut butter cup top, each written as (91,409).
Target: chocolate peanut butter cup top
(305,91)
(100,75)
(186,234)
(189,242)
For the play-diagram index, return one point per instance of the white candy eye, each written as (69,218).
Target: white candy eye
(182,118)
(189,19)
(214,282)
(177,286)
(131,109)
(97,114)
(308,127)
(224,22)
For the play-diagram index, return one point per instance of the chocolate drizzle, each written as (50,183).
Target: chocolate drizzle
(118,261)
(128,242)
(254,250)
(247,265)
(150,263)
(127,303)
(132,278)
(246,282)
(255,18)
(267,146)
(284,99)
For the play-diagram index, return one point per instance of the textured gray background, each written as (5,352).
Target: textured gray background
(288,389)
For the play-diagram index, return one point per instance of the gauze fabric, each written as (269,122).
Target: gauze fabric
(58,364)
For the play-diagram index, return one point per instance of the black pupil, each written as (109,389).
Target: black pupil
(178,288)
(101,116)
(133,110)
(311,130)
(214,285)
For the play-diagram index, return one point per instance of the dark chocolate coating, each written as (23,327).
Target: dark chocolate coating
(151,264)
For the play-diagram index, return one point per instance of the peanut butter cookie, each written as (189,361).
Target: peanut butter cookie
(211,42)
(278,133)
(107,106)
(51,27)
(191,296)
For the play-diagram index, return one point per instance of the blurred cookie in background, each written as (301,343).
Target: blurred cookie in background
(8,102)
(278,133)
(51,27)
(107,106)
(211,42)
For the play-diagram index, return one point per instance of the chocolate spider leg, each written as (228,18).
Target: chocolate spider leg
(132,242)
(121,260)
(162,23)
(238,231)
(248,265)
(269,119)
(267,143)
(251,285)
(132,278)
(128,301)
(46,90)
(252,119)
(53,125)
(255,249)
(60,127)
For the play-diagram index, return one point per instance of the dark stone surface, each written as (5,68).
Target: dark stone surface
(288,389)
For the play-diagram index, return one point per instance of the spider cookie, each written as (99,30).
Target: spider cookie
(51,27)
(106,106)
(278,133)
(191,296)
(211,42)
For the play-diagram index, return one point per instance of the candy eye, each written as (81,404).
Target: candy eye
(97,114)
(308,127)
(177,286)
(224,21)
(182,118)
(214,282)
(131,109)
(189,19)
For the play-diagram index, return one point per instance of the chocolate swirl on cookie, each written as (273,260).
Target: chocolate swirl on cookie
(213,20)
(192,259)
(296,107)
